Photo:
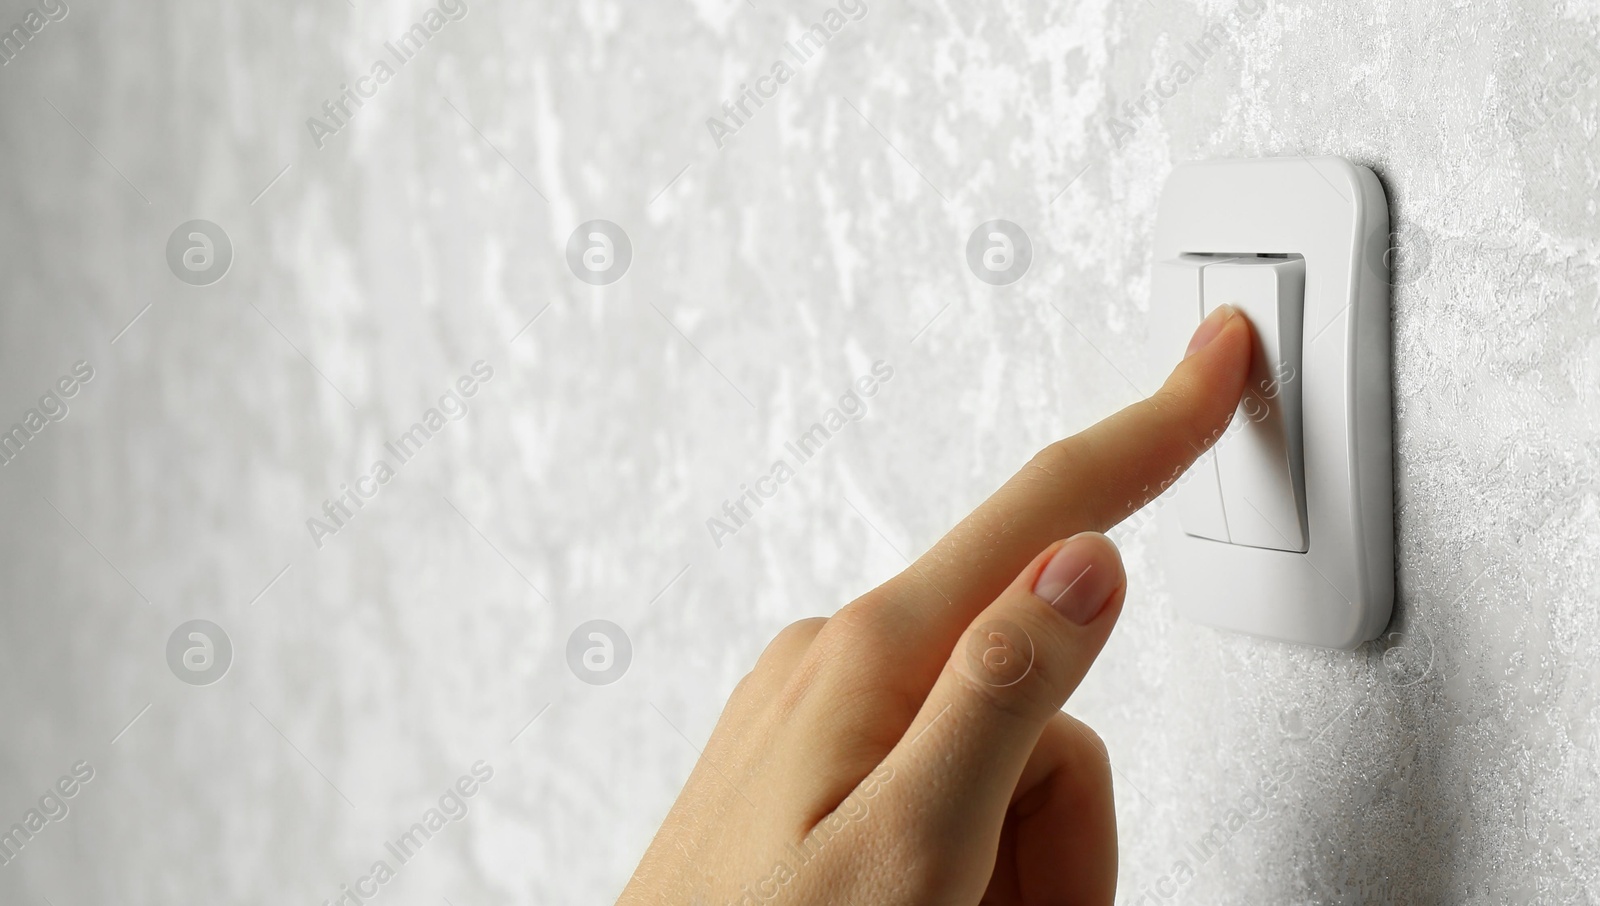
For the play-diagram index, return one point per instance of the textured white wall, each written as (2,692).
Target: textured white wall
(1453,762)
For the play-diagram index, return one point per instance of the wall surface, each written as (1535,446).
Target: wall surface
(377,258)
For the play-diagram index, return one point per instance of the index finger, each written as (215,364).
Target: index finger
(1088,482)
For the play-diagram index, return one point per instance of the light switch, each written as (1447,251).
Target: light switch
(1260,461)
(1284,528)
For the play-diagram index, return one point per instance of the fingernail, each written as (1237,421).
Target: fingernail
(1209,328)
(1080,579)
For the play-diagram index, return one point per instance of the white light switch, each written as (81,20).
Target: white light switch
(1285,527)
(1260,461)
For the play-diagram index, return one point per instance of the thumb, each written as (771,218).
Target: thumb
(958,764)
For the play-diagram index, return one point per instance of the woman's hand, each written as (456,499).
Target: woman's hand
(912,749)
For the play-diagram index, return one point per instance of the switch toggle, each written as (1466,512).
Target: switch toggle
(1261,460)
(1252,491)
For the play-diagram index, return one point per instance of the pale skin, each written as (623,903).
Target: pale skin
(912,748)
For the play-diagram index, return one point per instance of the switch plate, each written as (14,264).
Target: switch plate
(1284,530)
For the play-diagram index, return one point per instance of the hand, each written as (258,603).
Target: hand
(912,748)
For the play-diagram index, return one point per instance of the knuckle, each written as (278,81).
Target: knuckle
(1002,699)
(778,662)
(781,665)
(745,695)
(844,652)
(745,706)
(743,688)
(787,700)
(1024,699)
(1058,473)
(791,642)
(1057,460)
(998,652)
(863,625)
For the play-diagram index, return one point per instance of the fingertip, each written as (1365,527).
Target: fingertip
(1221,345)
(1210,328)
(1207,385)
